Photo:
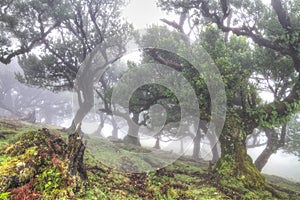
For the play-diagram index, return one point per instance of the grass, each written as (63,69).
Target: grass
(109,165)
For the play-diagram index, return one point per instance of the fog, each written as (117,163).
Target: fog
(280,164)
(59,109)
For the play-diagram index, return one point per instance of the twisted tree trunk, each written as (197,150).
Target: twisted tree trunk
(274,143)
(75,154)
(235,165)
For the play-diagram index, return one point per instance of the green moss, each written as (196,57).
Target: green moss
(183,179)
(246,181)
(54,183)
(3,159)
(5,196)
(22,168)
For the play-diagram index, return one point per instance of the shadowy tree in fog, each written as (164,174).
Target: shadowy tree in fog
(162,36)
(23,102)
(92,37)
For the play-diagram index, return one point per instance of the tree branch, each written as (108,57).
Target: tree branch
(27,48)
(283,18)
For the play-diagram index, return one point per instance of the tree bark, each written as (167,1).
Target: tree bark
(235,165)
(75,154)
(86,103)
(133,131)
(157,146)
(101,125)
(214,147)
(181,146)
(197,140)
(115,128)
(263,158)
(273,144)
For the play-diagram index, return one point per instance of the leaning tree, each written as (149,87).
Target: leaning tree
(90,38)
(274,27)
(78,39)
(275,75)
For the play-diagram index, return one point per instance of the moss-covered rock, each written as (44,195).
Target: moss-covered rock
(40,156)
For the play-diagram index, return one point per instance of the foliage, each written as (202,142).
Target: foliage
(17,36)
(88,26)
(293,137)
(273,30)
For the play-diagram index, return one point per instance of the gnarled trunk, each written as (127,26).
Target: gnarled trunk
(235,168)
(86,103)
(263,158)
(273,144)
(75,154)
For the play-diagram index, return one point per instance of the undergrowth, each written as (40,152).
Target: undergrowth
(33,166)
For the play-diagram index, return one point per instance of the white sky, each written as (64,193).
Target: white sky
(143,13)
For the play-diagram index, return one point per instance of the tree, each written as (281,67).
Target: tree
(280,35)
(78,40)
(162,36)
(275,74)
(17,36)
(20,101)
(293,137)
(92,37)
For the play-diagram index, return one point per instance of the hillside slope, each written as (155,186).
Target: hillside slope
(33,165)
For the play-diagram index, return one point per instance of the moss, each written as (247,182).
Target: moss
(245,181)
(5,196)
(18,170)
(3,158)
(39,155)
(49,177)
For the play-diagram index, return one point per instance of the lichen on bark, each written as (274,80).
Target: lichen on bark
(235,169)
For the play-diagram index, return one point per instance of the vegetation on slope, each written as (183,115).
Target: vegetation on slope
(33,165)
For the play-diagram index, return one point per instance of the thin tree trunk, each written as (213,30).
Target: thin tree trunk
(197,140)
(273,144)
(181,146)
(115,128)
(133,131)
(100,126)
(157,146)
(213,140)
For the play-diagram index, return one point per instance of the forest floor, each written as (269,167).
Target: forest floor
(33,166)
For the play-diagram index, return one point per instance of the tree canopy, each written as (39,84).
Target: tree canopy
(253,47)
(25,24)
